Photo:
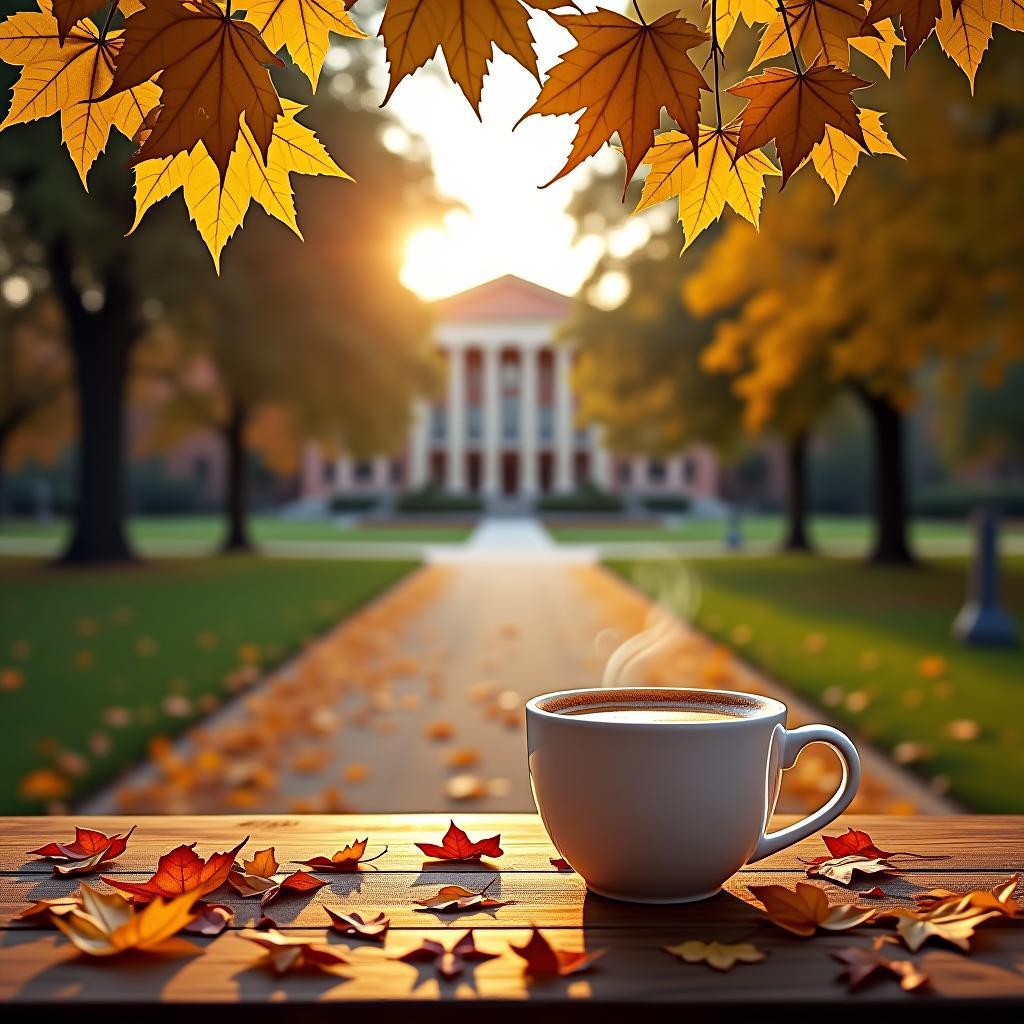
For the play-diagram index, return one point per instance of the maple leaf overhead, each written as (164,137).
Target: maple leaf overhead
(620,74)
(545,961)
(917,19)
(212,72)
(467,31)
(836,157)
(69,12)
(182,871)
(806,908)
(706,180)
(218,206)
(456,845)
(964,31)
(795,109)
(304,27)
(753,12)
(71,79)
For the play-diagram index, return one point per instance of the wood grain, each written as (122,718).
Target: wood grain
(39,968)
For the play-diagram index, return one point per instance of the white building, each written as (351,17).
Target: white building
(505,428)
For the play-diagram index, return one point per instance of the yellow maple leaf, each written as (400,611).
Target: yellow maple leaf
(108,924)
(729,13)
(879,48)
(706,181)
(720,956)
(304,27)
(218,206)
(965,33)
(68,79)
(836,156)
(467,31)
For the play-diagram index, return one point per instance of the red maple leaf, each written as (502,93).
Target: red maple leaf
(87,843)
(545,961)
(456,845)
(181,871)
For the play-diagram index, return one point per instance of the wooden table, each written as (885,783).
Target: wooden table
(798,979)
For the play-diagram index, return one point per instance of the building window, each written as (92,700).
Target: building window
(438,423)
(546,422)
(656,471)
(363,472)
(396,471)
(690,470)
(625,473)
(510,417)
(328,472)
(475,422)
(201,470)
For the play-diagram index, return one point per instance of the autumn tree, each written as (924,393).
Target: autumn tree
(937,279)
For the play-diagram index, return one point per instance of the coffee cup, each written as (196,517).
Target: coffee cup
(660,794)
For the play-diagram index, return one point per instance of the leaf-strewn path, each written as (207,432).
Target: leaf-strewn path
(415,703)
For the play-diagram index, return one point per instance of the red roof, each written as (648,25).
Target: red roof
(505,298)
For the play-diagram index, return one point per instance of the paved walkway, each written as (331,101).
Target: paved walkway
(415,703)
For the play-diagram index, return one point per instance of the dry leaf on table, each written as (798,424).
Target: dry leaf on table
(182,871)
(545,961)
(806,908)
(722,957)
(456,845)
(450,963)
(286,953)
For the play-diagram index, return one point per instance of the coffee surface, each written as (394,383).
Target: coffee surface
(650,714)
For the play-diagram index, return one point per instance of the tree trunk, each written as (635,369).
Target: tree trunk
(890,495)
(101,343)
(237,495)
(797,536)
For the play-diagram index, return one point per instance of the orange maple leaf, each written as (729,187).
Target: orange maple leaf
(794,109)
(211,70)
(806,908)
(819,27)
(545,961)
(621,73)
(348,859)
(182,871)
(456,845)
(467,31)
(86,844)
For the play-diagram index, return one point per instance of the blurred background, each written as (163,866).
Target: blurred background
(304,536)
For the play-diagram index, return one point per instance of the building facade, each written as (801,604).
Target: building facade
(505,428)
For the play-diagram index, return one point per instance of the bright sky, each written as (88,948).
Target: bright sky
(510,226)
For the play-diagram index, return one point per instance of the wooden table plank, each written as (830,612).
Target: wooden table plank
(973,843)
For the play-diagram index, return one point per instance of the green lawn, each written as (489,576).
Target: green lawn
(853,638)
(210,529)
(95,662)
(825,529)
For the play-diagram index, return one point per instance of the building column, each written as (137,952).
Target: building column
(529,401)
(600,460)
(674,475)
(419,446)
(638,475)
(343,474)
(455,455)
(564,474)
(381,476)
(492,422)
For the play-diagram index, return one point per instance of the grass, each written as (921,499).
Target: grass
(873,646)
(202,529)
(94,663)
(762,528)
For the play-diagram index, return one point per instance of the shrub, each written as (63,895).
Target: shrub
(588,498)
(432,499)
(667,504)
(955,500)
(349,503)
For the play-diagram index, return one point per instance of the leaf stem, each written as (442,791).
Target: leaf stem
(639,13)
(789,36)
(714,57)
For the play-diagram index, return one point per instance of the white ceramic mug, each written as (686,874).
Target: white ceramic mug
(666,812)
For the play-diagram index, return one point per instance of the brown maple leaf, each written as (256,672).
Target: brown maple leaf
(69,12)
(794,110)
(620,74)
(951,921)
(999,897)
(545,961)
(842,869)
(356,925)
(212,71)
(917,17)
(819,28)
(450,963)
(806,908)
(466,31)
(182,871)
(344,860)
(863,962)
(285,953)
(456,845)
(453,899)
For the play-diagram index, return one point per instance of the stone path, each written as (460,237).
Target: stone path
(415,703)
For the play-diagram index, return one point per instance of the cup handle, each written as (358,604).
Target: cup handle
(793,742)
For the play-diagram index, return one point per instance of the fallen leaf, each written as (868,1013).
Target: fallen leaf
(952,922)
(439,731)
(69,71)
(862,962)
(998,898)
(449,963)
(842,869)
(873,894)
(466,31)
(806,908)
(54,907)
(456,845)
(355,925)
(304,27)
(264,863)
(715,954)
(86,844)
(621,73)
(286,953)
(795,110)
(854,841)
(182,871)
(452,899)
(545,961)
(212,71)
(705,180)
(108,924)
(344,860)
(465,787)
(250,885)
(560,863)
(210,919)
(297,882)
